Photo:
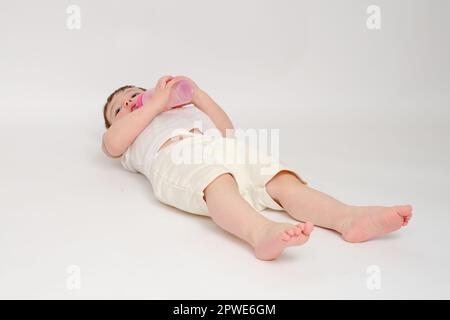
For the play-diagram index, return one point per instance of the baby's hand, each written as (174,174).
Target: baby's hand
(161,95)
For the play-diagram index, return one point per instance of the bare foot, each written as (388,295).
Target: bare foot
(369,222)
(275,237)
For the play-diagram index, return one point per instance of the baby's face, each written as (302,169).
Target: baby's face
(122,104)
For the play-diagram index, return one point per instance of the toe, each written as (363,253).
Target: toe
(308,228)
(298,231)
(406,220)
(405,213)
(291,232)
(301,226)
(285,236)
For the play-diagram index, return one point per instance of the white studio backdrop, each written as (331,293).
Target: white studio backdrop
(363,113)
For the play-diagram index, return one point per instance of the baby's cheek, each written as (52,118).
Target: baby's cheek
(121,114)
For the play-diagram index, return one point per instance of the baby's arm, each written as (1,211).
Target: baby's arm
(220,119)
(123,131)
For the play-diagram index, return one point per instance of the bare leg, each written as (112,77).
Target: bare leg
(355,223)
(234,214)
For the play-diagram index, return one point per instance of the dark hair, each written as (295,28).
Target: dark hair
(111,96)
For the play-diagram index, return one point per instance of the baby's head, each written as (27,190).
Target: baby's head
(120,103)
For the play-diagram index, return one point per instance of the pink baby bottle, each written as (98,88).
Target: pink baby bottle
(182,93)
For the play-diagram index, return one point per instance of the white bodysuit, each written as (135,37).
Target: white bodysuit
(140,154)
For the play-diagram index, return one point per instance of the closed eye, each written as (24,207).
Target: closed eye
(132,96)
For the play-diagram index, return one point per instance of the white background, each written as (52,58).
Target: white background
(363,116)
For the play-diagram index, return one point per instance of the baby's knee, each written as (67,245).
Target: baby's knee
(220,184)
(284,179)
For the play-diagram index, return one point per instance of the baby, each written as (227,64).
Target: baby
(232,193)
